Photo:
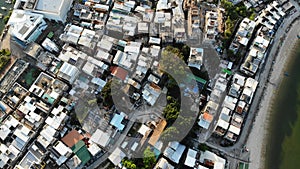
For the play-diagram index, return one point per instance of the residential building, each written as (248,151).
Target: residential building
(196,58)
(26,26)
(68,72)
(53,10)
(211,25)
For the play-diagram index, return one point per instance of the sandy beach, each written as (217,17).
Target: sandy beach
(258,137)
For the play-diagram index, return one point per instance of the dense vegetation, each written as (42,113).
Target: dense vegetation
(4,58)
(147,162)
(233,14)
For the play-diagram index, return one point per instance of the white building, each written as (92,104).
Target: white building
(196,57)
(68,72)
(55,10)
(174,151)
(26,26)
(218,162)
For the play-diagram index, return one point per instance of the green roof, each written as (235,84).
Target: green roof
(227,71)
(81,151)
(50,35)
(198,79)
(48,98)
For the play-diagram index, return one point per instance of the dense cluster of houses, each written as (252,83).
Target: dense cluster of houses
(270,19)
(36,114)
(120,40)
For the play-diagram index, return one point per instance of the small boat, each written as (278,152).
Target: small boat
(286,74)
(3,8)
(8,1)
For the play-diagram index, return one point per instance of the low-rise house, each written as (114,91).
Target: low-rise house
(22,136)
(68,72)
(196,58)
(94,149)
(207,117)
(237,120)
(211,24)
(31,159)
(50,45)
(249,90)
(31,111)
(163,164)
(212,160)
(104,56)
(14,97)
(174,151)
(100,138)
(116,121)
(7,153)
(44,60)
(73,162)
(151,93)
(46,136)
(159,128)
(178,22)
(257,52)
(71,34)
(190,160)
(193,28)
(230,102)
(223,122)
(154,41)
(87,39)
(232,133)
(72,138)
(73,56)
(48,88)
(127,59)
(60,153)
(241,107)
(117,156)
(81,151)
(243,35)
(119,73)
(163,21)
(4,109)
(143,28)
(57,118)
(7,127)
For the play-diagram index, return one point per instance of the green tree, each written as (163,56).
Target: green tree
(106,94)
(186,51)
(4,58)
(148,158)
(128,164)
(252,16)
(171,111)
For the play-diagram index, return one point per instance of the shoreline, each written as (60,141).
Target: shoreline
(259,134)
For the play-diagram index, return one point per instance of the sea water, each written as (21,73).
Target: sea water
(283,146)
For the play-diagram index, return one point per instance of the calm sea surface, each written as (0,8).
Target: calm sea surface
(283,149)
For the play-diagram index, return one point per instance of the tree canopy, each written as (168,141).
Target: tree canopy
(148,158)
(4,58)
(128,164)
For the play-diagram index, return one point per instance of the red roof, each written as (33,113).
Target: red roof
(119,72)
(72,138)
